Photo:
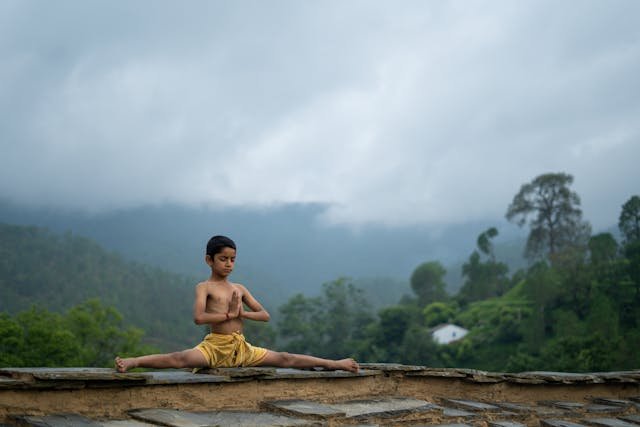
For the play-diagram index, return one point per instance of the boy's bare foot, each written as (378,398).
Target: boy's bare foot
(347,365)
(123,365)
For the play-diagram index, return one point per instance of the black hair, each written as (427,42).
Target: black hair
(217,243)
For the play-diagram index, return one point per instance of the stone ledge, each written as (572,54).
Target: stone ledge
(20,378)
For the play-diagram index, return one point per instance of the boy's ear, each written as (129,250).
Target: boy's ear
(208,259)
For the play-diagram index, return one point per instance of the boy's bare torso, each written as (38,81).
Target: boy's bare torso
(218,300)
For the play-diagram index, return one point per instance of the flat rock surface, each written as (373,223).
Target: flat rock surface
(73,374)
(125,423)
(447,425)
(183,377)
(288,373)
(10,382)
(631,418)
(387,407)
(564,377)
(597,408)
(609,422)
(610,401)
(571,406)
(470,405)
(174,418)
(453,412)
(392,367)
(559,423)
(61,420)
(238,372)
(304,407)
(505,424)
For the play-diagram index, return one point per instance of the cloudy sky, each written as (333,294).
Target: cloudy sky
(392,113)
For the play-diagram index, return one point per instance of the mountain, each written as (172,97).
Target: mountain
(58,271)
(281,251)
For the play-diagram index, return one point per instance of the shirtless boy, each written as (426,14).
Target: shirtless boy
(220,304)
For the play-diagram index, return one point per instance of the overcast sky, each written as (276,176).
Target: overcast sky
(396,113)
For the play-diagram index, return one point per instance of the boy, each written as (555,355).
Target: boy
(219,303)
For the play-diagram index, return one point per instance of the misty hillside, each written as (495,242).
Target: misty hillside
(282,251)
(57,271)
(54,271)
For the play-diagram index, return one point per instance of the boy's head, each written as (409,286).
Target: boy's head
(217,243)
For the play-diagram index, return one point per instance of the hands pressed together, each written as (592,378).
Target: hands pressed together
(235,306)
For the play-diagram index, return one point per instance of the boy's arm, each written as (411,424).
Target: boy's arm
(200,315)
(257,311)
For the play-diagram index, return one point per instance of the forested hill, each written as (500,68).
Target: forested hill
(59,271)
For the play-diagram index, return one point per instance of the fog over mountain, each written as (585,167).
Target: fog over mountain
(376,113)
(287,249)
(329,139)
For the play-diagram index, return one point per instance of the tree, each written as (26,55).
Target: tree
(101,333)
(439,312)
(302,324)
(427,282)
(603,248)
(629,222)
(556,222)
(328,325)
(89,334)
(484,242)
(483,279)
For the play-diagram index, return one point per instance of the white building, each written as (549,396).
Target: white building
(444,334)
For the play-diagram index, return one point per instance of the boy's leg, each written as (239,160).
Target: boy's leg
(302,361)
(182,359)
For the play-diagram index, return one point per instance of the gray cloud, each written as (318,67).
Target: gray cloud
(418,113)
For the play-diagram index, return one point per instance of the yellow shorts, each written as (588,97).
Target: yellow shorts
(230,351)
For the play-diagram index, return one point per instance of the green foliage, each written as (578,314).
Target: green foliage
(578,311)
(60,271)
(484,242)
(427,282)
(331,325)
(89,334)
(483,279)
(629,221)
(603,248)
(556,222)
(439,312)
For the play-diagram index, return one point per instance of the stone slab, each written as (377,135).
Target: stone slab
(392,367)
(288,373)
(448,425)
(559,423)
(58,420)
(562,377)
(610,401)
(609,422)
(175,418)
(470,405)
(516,407)
(11,382)
(453,412)
(383,408)
(298,407)
(569,406)
(238,372)
(505,424)
(634,418)
(525,380)
(126,423)
(72,374)
(435,372)
(608,409)
(620,376)
(183,377)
